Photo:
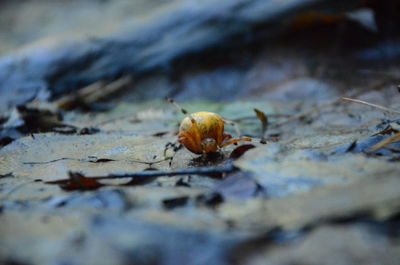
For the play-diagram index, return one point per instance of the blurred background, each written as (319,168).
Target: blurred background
(212,50)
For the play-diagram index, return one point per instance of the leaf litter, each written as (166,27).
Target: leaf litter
(287,170)
(291,184)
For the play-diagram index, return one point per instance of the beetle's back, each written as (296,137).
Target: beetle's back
(211,125)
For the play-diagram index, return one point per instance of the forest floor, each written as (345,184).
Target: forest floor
(107,183)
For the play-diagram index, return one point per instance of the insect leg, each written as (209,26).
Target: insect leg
(233,141)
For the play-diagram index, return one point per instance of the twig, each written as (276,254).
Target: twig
(193,171)
(94,92)
(371,105)
(381,144)
(96,160)
(66,101)
(151,174)
(109,89)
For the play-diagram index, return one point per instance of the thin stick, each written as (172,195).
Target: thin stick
(151,174)
(382,144)
(108,90)
(94,92)
(66,101)
(95,160)
(371,105)
(194,171)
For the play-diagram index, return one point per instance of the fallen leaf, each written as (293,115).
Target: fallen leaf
(77,181)
(264,121)
(239,151)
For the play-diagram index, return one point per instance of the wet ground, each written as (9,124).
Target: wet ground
(90,168)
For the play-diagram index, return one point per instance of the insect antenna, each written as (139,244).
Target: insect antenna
(184,111)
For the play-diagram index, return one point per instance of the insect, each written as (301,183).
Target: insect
(203,132)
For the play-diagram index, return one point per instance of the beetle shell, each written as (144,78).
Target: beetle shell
(206,135)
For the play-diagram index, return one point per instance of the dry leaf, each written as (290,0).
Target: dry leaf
(264,121)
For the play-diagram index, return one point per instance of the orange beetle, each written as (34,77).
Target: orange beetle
(203,132)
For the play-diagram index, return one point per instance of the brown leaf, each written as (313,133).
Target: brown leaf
(77,181)
(264,121)
(239,151)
